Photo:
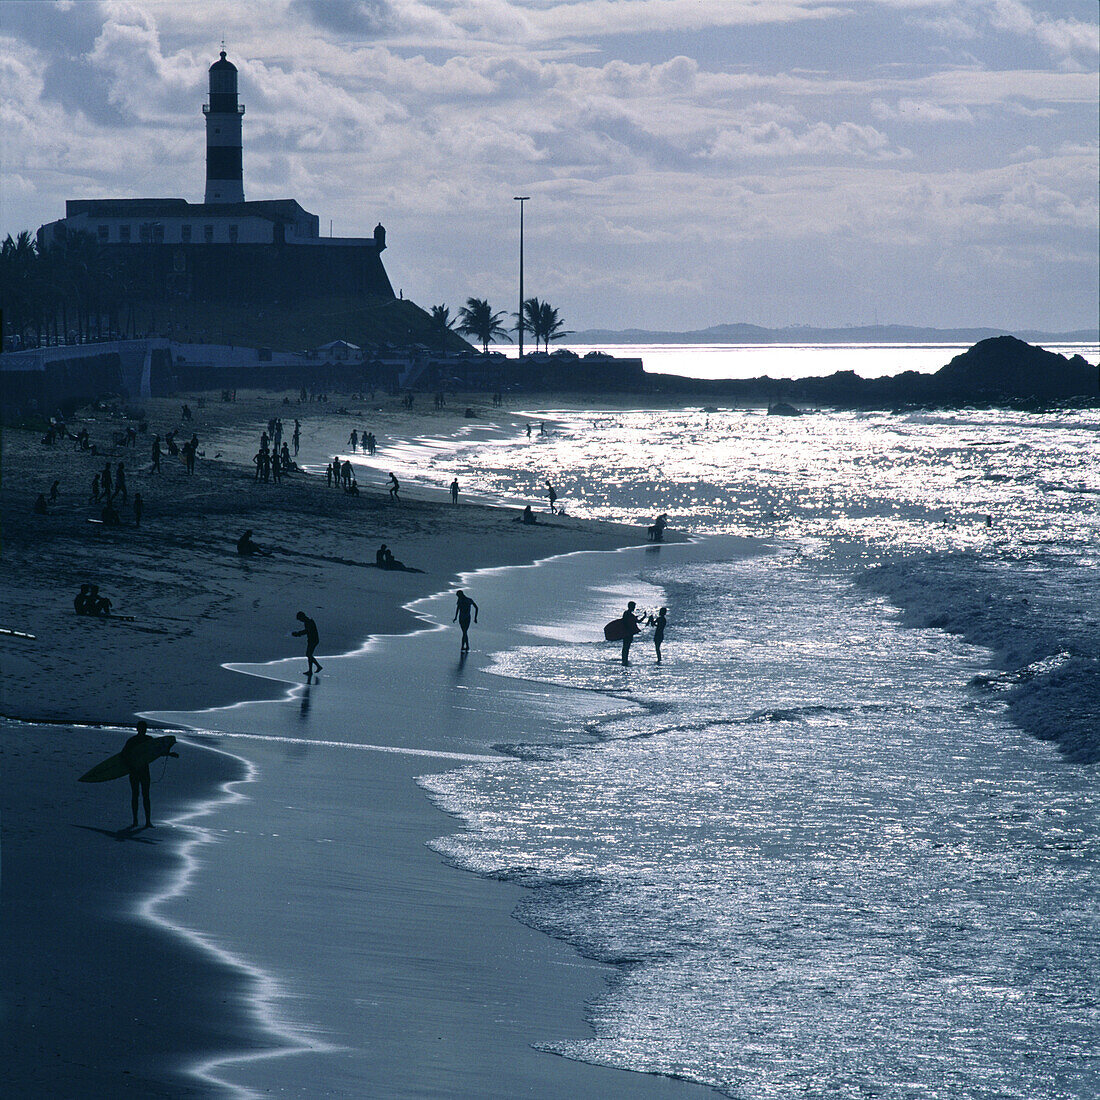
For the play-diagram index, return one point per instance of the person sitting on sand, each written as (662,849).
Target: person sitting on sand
(527,516)
(309,629)
(97,604)
(82,601)
(462,614)
(247,548)
(109,516)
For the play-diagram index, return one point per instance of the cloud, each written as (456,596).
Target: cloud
(920,111)
(367,18)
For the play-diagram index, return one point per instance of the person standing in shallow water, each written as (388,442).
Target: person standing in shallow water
(454,491)
(462,614)
(659,631)
(309,629)
(630,628)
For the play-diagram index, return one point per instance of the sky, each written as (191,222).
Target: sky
(688,162)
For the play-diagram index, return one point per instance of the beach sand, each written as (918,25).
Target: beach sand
(100,1001)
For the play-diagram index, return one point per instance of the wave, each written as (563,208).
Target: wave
(1038,621)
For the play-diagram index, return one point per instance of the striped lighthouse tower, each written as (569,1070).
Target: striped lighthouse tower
(224,175)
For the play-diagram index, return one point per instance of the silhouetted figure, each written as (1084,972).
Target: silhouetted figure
(139,772)
(395,485)
(95,489)
(139,507)
(353,441)
(380,556)
(454,491)
(110,516)
(630,628)
(309,629)
(53,491)
(189,449)
(120,484)
(171,444)
(527,516)
(40,508)
(105,481)
(97,604)
(276,467)
(462,614)
(284,458)
(247,548)
(552,495)
(156,455)
(82,603)
(296,438)
(185,412)
(345,474)
(527,428)
(659,631)
(657,528)
(328,475)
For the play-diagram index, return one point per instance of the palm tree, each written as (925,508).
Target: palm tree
(551,326)
(476,318)
(531,307)
(443,322)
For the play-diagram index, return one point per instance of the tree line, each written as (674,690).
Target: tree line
(477,319)
(68,291)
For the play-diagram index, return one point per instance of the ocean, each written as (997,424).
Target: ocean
(843,841)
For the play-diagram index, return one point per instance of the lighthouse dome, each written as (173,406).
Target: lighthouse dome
(222,65)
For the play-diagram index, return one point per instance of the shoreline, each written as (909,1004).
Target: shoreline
(103,673)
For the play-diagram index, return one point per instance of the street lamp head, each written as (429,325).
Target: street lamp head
(520,198)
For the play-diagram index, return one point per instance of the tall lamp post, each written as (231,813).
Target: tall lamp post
(521,199)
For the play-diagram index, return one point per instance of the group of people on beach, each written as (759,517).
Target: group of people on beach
(631,625)
(366,439)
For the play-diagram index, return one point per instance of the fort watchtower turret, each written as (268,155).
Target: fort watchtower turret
(224,162)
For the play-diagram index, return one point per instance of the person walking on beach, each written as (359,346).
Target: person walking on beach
(353,441)
(462,614)
(454,491)
(309,629)
(630,628)
(395,485)
(552,494)
(659,631)
(120,484)
(296,438)
(139,773)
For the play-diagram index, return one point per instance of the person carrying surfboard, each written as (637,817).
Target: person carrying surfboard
(138,766)
(630,627)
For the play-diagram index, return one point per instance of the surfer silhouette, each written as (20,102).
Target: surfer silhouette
(630,628)
(462,614)
(309,629)
(139,773)
(659,631)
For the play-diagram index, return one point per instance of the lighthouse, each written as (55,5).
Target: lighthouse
(224,174)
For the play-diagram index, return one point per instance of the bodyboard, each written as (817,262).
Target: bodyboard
(616,630)
(114,767)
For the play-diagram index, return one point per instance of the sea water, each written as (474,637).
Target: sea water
(842,842)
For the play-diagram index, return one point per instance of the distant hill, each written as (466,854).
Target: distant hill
(1000,370)
(804,334)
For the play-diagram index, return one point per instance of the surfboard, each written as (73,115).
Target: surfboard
(616,630)
(114,767)
(9,633)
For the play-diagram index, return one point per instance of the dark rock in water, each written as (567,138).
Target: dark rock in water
(1004,367)
(781,408)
